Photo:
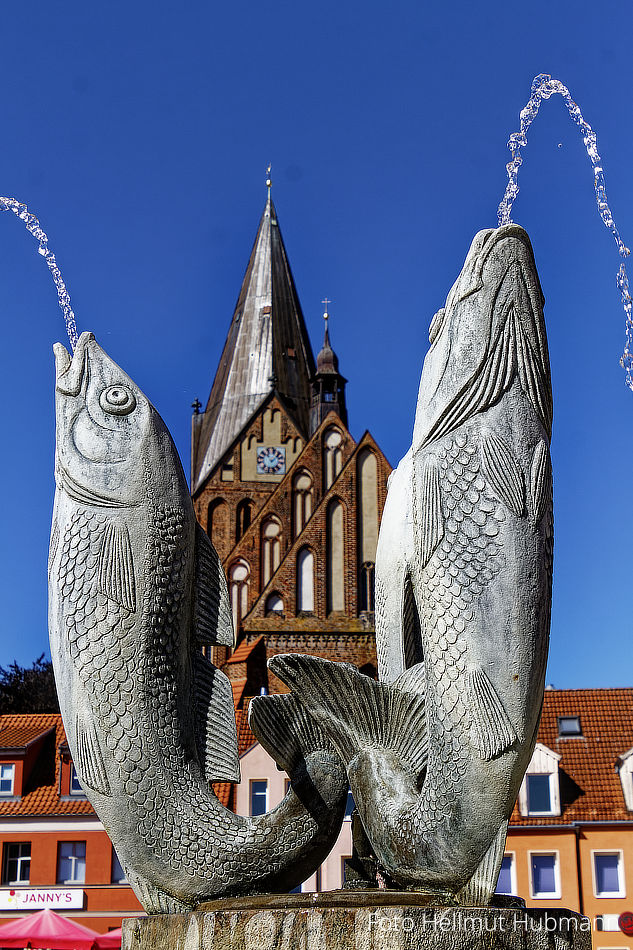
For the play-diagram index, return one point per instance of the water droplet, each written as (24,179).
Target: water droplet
(34,228)
(543,86)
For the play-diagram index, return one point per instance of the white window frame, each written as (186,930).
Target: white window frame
(73,859)
(250,795)
(11,767)
(544,762)
(20,859)
(72,791)
(556,895)
(513,874)
(615,894)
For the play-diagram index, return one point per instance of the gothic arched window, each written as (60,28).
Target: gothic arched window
(366,593)
(335,556)
(218,523)
(271,548)
(305,581)
(239,576)
(244,515)
(333,455)
(301,502)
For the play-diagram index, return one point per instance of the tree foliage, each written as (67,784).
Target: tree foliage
(28,689)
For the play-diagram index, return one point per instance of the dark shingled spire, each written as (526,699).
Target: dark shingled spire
(267,348)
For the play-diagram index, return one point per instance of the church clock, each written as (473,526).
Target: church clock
(271,460)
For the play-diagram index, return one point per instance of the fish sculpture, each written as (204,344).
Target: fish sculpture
(135,590)
(436,751)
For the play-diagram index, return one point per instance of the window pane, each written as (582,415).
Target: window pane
(504,883)
(71,862)
(544,874)
(259,790)
(17,863)
(538,790)
(607,873)
(569,726)
(6,779)
(75,784)
(118,874)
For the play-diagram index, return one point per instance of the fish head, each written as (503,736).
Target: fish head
(490,330)
(110,441)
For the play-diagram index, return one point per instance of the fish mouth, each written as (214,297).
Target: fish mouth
(70,372)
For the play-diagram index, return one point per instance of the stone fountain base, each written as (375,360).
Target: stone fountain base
(356,920)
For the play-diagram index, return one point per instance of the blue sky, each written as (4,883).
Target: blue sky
(140,133)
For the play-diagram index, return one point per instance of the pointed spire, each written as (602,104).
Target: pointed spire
(267,348)
(328,386)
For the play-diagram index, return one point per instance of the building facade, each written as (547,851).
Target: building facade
(570,842)
(291,501)
(55,851)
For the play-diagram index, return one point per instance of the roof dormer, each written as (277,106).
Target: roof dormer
(624,766)
(539,796)
(21,739)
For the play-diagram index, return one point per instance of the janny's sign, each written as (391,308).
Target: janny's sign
(37,898)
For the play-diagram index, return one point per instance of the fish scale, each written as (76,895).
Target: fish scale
(465,561)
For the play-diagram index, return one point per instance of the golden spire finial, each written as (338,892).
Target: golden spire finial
(326,315)
(269,180)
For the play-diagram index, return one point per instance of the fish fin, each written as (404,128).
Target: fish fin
(286,730)
(213,620)
(116,566)
(152,898)
(355,710)
(494,733)
(480,889)
(216,731)
(427,503)
(413,680)
(411,628)
(501,467)
(540,479)
(90,765)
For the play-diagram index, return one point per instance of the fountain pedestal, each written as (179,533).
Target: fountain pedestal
(356,920)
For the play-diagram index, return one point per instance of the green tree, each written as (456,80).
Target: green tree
(28,689)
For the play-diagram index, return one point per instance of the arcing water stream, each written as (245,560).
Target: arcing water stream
(33,226)
(543,86)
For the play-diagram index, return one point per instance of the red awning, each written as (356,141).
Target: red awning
(47,930)
(110,941)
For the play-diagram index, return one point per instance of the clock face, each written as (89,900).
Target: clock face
(271,460)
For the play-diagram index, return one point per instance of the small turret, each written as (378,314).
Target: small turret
(328,386)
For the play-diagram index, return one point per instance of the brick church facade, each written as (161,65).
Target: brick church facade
(290,500)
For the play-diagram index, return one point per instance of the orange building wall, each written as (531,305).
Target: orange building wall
(116,900)
(575,848)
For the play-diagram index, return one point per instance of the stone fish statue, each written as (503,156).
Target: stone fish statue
(436,751)
(135,589)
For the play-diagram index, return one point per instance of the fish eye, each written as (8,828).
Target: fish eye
(118,400)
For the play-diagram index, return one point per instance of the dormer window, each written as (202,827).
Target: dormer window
(624,765)
(7,779)
(540,793)
(569,726)
(75,784)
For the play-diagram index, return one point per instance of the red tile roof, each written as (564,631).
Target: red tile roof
(41,791)
(590,787)
(16,732)
(243,651)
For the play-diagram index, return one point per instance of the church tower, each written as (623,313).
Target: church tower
(290,500)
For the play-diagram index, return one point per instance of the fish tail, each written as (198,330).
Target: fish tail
(284,727)
(356,711)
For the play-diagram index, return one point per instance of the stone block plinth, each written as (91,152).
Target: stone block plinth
(357,920)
